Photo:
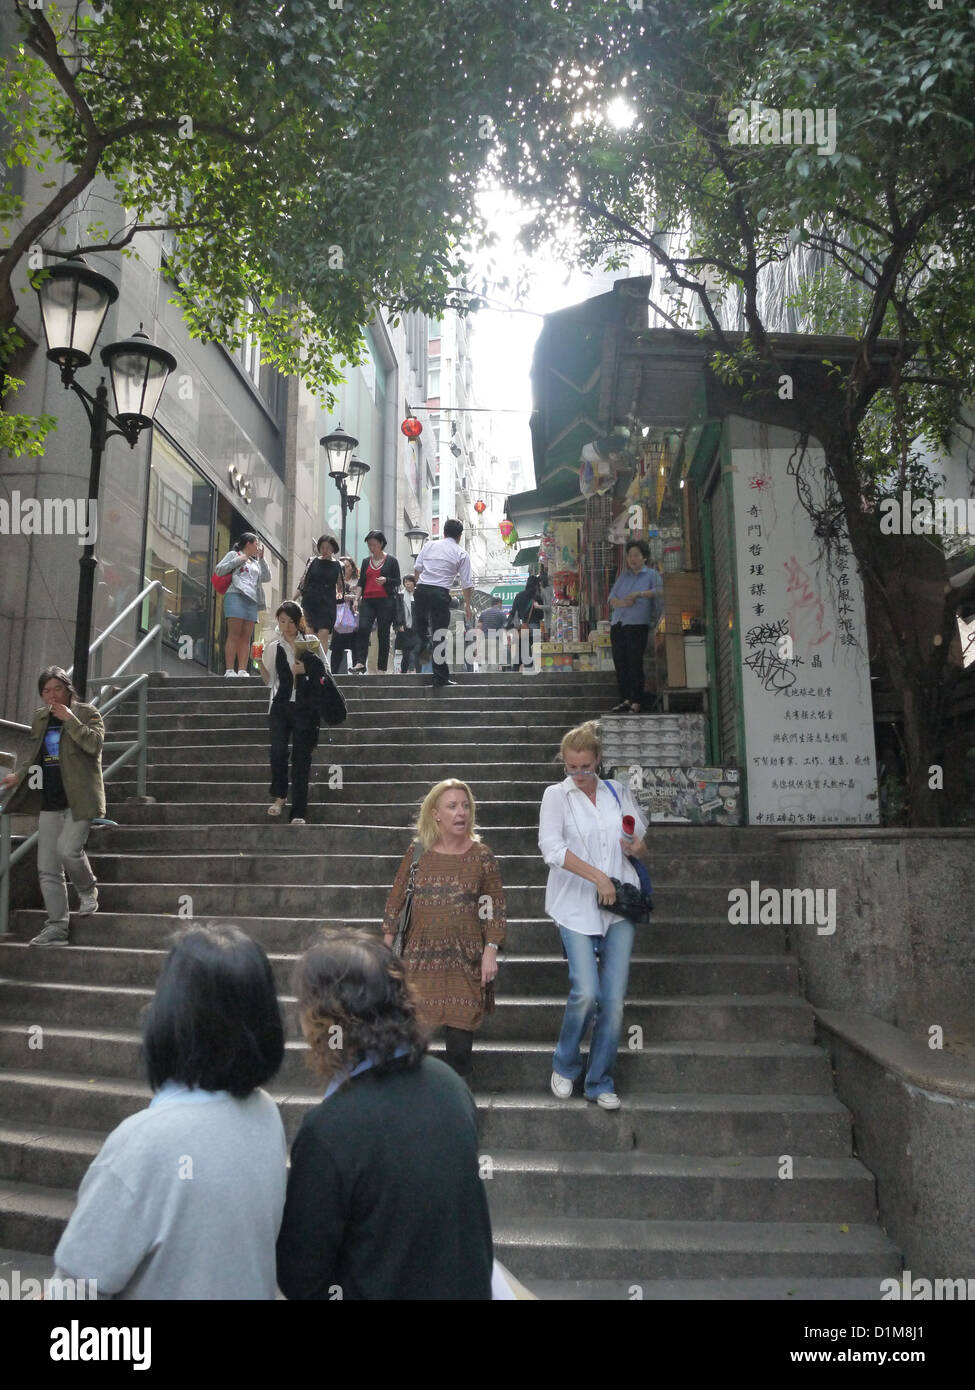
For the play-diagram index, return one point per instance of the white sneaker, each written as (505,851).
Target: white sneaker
(561,1086)
(88,903)
(230,673)
(609,1100)
(55,934)
(245,674)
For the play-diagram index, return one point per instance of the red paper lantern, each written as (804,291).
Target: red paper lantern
(411,427)
(480,507)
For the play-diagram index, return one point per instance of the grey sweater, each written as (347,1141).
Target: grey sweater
(183,1201)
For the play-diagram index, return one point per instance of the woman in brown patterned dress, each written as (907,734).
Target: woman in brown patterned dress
(458,920)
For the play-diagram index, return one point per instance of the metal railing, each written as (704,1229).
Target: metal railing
(138,747)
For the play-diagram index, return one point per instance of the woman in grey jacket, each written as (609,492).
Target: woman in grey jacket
(244,599)
(62,782)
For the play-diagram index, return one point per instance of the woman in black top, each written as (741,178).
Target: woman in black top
(317,589)
(379,580)
(292,716)
(526,614)
(385,1199)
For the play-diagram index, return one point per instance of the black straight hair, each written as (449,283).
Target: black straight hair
(244,539)
(376,536)
(453,529)
(294,612)
(214,1023)
(56,673)
(642,546)
(332,542)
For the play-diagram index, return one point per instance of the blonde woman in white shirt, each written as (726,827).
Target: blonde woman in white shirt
(292,653)
(581,839)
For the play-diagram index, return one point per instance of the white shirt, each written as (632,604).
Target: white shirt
(569,821)
(408,606)
(440,563)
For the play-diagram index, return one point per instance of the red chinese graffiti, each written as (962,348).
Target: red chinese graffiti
(806,611)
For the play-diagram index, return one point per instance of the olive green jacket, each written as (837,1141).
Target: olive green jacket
(80,761)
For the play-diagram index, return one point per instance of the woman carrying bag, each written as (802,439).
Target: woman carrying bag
(244,599)
(317,593)
(66,744)
(293,714)
(582,839)
(379,580)
(344,635)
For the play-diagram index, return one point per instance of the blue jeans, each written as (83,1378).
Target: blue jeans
(598,971)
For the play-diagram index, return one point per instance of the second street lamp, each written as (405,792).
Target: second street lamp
(346,472)
(74,300)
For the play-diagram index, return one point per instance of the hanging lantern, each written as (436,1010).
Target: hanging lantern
(411,427)
(480,507)
(508,533)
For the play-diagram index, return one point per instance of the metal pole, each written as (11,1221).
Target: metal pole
(160,619)
(86,581)
(345,512)
(143,735)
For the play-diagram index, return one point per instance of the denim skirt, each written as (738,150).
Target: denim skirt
(237,605)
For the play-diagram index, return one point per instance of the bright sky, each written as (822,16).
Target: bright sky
(503,340)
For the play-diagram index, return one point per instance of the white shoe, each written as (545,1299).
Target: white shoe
(55,934)
(561,1086)
(230,673)
(88,903)
(245,674)
(298,820)
(609,1100)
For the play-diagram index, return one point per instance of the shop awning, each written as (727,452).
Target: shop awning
(528,556)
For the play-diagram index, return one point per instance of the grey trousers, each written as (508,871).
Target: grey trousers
(61,845)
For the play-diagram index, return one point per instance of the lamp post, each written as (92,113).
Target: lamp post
(74,300)
(417,538)
(345,471)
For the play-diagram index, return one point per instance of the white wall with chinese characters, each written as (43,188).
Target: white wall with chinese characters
(808,720)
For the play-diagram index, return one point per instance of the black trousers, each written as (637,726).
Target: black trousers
(629,641)
(432,608)
(459,1043)
(381,612)
(408,643)
(341,643)
(299,726)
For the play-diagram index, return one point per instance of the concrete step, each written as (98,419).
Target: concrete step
(230,722)
(491,810)
(663,1066)
(33,1217)
(527,936)
(371,784)
(672,1122)
(343,900)
(644,1251)
(654,1187)
(527,976)
(714,1018)
(747,1290)
(470,680)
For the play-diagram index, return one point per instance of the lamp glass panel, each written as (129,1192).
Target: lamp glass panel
(73,313)
(339,452)
(138,381)
(353,486)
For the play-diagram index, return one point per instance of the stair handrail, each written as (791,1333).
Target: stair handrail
(137,748)
(154,634)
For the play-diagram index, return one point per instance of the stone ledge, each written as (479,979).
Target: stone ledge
(871,833)
(891,1047)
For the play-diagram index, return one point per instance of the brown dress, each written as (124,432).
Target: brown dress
(449,930)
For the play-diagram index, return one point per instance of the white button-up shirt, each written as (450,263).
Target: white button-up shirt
(569,821)
(441,562)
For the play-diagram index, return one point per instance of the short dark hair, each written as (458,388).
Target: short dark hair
(294,612)
(496,599)
(409,579)
(56,673)
(453,529)
(243,539)
(642,546)
(332,542)
(376,536)
(214,1022)
(350,980)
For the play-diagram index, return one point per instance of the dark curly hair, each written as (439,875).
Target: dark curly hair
(354,1002)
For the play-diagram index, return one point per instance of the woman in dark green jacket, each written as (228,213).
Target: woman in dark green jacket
(62,782)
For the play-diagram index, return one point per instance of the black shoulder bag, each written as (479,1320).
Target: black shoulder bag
(406,916)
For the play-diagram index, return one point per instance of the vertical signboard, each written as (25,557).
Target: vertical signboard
(809,744)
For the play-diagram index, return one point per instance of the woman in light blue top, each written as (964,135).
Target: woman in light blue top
(185,1198)
(244,599)
(633,600)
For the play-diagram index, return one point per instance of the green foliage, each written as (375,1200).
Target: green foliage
(316,161)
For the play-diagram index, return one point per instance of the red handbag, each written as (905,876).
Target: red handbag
(221,582)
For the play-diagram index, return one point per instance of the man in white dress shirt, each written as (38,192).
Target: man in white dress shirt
(438,564)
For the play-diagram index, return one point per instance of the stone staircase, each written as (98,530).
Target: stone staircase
(678,1195)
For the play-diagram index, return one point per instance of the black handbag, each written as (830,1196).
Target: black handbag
(631,902)
(318,691)
(406,916)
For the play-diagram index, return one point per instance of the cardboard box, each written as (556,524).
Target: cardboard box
(676,674)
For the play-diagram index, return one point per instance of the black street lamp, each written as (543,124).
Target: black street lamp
(74,300)
(417,538)
(345,471)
